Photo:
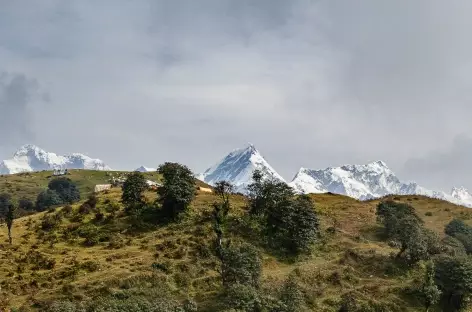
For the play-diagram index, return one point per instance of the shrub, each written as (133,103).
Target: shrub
(85,209)
(66,189)
(428,214)
(242,298)
(51,221)
(47,199)
(241,265)
(67,210)
(116,242)
(99,216)
(92,201)
(26,204)
(292,225)
(178,189)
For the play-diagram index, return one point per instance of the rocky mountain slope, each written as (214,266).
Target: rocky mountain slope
(237,167)
(30,158)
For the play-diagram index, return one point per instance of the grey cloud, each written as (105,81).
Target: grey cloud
(439,167)
(310,83)
(16,94)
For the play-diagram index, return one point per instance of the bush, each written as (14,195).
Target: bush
(85,209)
(428,214)
(47,199)
(292,225)
(51,221)
(66,189)
(116,242)
(241,265)
(242,298)
(26,204)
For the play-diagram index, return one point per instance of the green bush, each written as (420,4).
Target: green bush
(51,221)
(66,189)
(46,199)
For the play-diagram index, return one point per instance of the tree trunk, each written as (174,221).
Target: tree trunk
(9,235)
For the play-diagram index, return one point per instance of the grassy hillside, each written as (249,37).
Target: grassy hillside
(28,185)
(66,255)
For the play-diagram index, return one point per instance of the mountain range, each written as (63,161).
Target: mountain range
(362,182)
(32,158)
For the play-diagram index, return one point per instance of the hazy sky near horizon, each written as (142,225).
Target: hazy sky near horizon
(309,83)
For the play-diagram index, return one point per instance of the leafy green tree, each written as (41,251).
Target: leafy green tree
(462,232)
(390,214)
(133,189)
(292,225)
(46,199)
(26,204)
(453,276)
(9,218)
(66,189)
(178,189)
(223,189)
(429,291)
(266,193)
(5,202)
(457,226)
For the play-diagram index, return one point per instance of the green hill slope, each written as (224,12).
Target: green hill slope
(68,255)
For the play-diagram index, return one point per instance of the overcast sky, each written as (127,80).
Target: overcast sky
(310,83)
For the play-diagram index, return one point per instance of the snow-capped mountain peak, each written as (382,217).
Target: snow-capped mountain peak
(358,181)
(145,169)
(238,166)
(461,193)
(30,158)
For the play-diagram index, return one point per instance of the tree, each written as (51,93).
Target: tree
(462,232)
(5,202)
(10,216)
(264,194)
(293,225)
(46,199)
(66,189)
(429,290)
(457,226)
(26,204)
(178,189)
(223,189)
(390,214)
(133,189)
(453,276)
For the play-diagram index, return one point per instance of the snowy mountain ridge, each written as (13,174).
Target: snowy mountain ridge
(30,158)
(237,167)
(145,169)
(363,182)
